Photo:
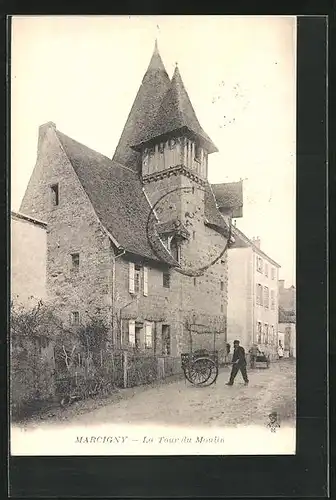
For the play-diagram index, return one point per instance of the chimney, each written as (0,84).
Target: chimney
(256,242)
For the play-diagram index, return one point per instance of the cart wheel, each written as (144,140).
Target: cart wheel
(203,372)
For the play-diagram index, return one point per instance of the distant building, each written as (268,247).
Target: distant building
(28,258)
(252,294)
(287,318)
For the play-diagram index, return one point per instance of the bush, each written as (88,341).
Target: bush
(32,334)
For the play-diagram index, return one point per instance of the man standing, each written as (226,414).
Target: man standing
(254,351)
(238,363)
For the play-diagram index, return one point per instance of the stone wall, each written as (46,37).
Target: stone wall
(28,260)
(73,227)
(200,299)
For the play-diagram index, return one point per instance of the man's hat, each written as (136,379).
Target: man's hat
(236,342)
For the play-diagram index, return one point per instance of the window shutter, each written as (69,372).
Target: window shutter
(131,332)
(148,334)
(131,277)
(145,289)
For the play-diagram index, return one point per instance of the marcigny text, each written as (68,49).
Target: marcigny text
(117,440)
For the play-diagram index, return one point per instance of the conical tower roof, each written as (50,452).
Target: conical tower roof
(154,86)
(176,113)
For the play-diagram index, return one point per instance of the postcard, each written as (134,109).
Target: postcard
(153,293)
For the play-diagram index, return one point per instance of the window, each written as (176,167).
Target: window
(194,235)
(166,279)
(148,335)
(166,341)
(266,269)
(266,333)
(272,335)
(195,282)
(273,273)
(131,332)
(222,307)
(135,271)
(74,318)
(272,300)
(75,262)
(259,264)
(137,336)
(222,286)
(266,297)
(259,332)
(197,153)
(54,195)
(259,294)
(172,143)
(137,278)
(175,249)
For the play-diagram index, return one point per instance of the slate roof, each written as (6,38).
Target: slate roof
(114,187)
(118,199)
(229,196)
(115,193)
(211,212)
(176,113)
(155,84)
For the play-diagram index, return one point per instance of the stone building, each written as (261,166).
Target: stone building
(133,236)
(28,259)
(253,294)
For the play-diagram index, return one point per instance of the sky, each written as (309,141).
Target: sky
(83,73)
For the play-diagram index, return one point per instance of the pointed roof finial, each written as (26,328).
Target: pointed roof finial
(156,63)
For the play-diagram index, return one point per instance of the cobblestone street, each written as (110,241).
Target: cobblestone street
(180,403)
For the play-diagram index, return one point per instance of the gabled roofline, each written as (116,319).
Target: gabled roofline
(27,218)
(253,246)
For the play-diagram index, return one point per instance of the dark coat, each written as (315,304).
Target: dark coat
(239,354)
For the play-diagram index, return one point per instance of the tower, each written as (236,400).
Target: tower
(154,85)
(174,159)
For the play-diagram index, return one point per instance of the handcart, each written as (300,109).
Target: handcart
(200,367)
(263,359)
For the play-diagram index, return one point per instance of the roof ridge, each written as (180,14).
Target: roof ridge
(80,144)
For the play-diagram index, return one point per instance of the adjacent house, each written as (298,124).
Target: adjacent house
(137,237)
(287,318)
(253,294)
(28,259)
